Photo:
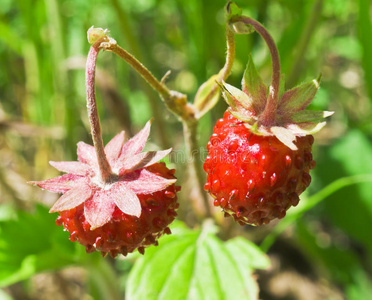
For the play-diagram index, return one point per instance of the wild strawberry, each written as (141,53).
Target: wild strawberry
(255,178)
(129,211)
(259,155)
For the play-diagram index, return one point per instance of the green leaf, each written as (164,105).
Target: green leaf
(32,243)
(207,96)
(254,86)
(195,264)
(248,253)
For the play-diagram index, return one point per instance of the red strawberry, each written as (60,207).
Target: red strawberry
(259,155)
(129,212)
(255,178)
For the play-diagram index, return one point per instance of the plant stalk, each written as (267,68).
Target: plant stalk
(268,116)
(226,70)
(195,171)
(104,166)
(313,200)
(176,103)
(141,69)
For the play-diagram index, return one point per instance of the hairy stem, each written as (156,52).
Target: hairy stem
(195,172)
(142,70)
(176,103)
(269,113)
(226,70)
(230,54)
(104,166)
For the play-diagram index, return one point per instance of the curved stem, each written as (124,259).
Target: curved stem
(230,53)
(142,70)
(104,166)
(298,211)
(225,71)
(174,101)
(270,109)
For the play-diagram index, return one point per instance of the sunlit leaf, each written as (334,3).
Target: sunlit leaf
(197,265)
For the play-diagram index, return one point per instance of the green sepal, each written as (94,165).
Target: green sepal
(282,86)
(286,136)
(306,128)
(207,95)
(310,116)
(254,87)
(243,116)
(299,97)
(235,98)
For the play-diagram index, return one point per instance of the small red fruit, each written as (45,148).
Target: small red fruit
(255,178)
(259,154)
(128,212)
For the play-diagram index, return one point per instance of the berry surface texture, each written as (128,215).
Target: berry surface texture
(129,210)
(254,178)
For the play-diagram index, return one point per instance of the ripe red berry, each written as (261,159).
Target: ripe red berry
(130,211)
(259,154)
(255,178)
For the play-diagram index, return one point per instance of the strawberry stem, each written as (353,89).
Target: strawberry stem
(196,173)
(268,116)
(142,70)
(174,101)
(104,166)
(225,71)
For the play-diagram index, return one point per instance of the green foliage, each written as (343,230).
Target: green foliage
(365,32)
(337,260)
(351,210)
(32,243)
(197,265)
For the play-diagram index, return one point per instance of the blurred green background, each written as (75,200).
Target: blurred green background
(327,252)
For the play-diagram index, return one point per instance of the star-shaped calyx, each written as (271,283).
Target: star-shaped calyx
(289,119)
(130,177)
